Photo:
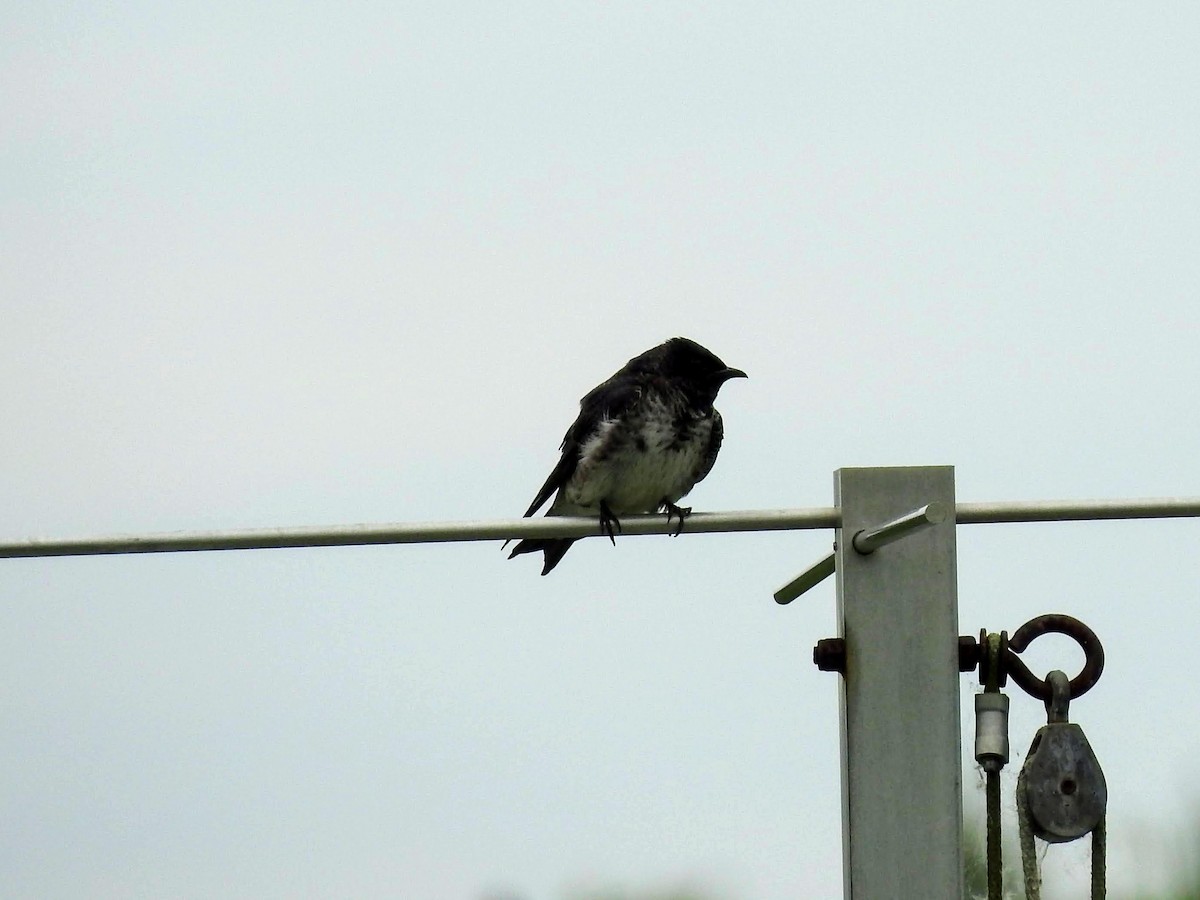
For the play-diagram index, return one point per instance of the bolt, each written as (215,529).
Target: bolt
(970,652)
(830,655)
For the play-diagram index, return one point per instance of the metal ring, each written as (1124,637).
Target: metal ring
(984,658)
(1055,624)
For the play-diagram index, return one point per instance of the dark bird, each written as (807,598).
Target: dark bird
(643,439)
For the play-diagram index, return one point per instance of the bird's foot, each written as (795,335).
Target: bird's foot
(609,523)
(681,511)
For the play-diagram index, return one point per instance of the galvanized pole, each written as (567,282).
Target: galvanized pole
(901,757)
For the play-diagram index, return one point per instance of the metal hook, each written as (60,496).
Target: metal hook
(1055,624)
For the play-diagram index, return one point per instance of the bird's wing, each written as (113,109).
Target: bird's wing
(560,475)
(714,447)
(608,400)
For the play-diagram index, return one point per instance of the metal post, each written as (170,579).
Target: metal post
(901,748)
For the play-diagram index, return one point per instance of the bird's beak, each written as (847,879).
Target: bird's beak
(729,372)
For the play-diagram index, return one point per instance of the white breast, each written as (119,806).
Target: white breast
(635,469)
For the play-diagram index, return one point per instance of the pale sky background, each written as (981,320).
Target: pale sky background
(279,264)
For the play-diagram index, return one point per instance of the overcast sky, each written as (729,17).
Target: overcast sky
(279,264)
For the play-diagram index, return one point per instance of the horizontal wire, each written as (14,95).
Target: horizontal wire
(1076,510)
(420,532)
(571,527)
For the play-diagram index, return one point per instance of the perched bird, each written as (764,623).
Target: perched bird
(643,439)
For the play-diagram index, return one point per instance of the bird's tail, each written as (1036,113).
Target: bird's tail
(553,548)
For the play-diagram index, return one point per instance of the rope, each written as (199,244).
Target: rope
(992,766)
(995,859)
(1099,863)
(1033,881)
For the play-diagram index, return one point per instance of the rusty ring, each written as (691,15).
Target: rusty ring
(1055,624)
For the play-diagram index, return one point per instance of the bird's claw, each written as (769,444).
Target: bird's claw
(609,523)
(681,511)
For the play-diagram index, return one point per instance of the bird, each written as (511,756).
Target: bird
(643,439)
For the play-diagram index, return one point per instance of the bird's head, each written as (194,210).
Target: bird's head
(697,370)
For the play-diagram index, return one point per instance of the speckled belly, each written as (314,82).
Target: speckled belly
(637,470)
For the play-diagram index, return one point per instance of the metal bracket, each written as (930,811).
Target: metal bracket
(866,541)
